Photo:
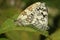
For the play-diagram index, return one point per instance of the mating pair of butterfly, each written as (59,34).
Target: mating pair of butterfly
(36,14)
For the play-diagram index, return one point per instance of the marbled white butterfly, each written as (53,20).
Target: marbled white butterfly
(36,14)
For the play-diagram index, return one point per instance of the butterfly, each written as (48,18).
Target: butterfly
(36,14)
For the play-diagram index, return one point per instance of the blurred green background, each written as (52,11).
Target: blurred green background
(10,9)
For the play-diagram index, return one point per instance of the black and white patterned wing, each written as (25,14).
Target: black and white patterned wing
(36,14)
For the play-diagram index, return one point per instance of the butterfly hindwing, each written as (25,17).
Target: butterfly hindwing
(36,14)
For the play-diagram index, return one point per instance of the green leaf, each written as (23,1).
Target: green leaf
(3,39)
(56,35)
